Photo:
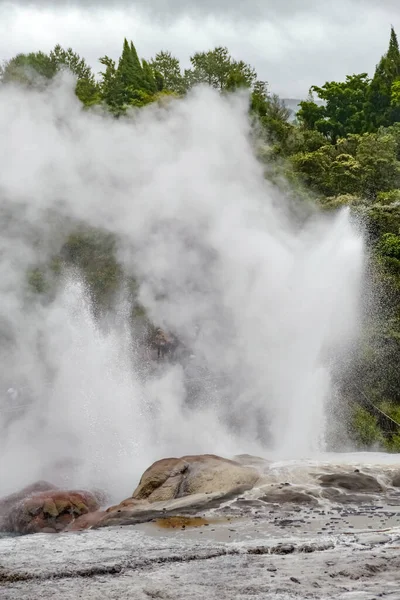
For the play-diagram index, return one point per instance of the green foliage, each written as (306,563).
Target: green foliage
(380,109)
(314,168)
(167,67)
(37,281)
(364,165)
(38,68)
(72,61)
(149,80)
(28,69)
(389,245)
(365,428)
(310,114)
(343,109)
(93,253)
(131,83)
(219,70)
(380,169)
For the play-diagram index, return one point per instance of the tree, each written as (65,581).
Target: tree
(38,68)
(168,67)
(343,109)
(314,168)
(219,70)
(379,167)
(132,83)
(72,61)
(129,74)
(310,113)
(380,108)
(87,89)
(28,69)
(110,91)
(149,81)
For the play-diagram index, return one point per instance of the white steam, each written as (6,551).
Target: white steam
(264,304)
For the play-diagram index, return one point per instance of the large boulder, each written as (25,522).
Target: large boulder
(42,508)
(171,478)
(8,503)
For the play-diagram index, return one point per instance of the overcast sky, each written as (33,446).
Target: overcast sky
(292,43)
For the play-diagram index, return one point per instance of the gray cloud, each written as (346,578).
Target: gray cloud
(252,9)
(292,44)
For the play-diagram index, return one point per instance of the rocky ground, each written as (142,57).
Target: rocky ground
(314,531)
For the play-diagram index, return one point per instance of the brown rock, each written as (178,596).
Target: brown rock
(354,482)
(177,477)
(182,507)
(396,480)
(335,495)
(86,521)
(288,495)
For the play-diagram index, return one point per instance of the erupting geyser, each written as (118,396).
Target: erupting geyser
(266,304)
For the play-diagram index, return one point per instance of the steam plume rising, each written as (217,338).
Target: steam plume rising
(264,304)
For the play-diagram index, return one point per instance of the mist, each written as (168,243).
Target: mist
(266,303)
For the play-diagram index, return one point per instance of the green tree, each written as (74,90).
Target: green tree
(110,88)
(72,61)
(129,74)
(314,168)
(87,89)
(28,69)
(149,80)
(131,83)
(37,68)
(218,69)
(343,109)
(380,109)
(169,68)
(379,167)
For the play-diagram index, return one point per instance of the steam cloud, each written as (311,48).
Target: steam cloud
(264,303)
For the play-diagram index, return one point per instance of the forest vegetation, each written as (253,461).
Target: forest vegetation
(343,151)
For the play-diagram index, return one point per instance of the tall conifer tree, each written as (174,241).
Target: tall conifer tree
(387,72)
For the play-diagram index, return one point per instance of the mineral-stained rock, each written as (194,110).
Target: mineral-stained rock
(131,514)
(177,477)
(354,482)
(9,502)
(44,508)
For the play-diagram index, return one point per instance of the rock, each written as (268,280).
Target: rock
(396,479)
(288,495)
(354,482)
(342,498)
(131,513)
(177,477)
(86,521)
(248,460)
(50,510)
(9,502)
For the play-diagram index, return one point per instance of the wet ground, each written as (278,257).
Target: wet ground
(313,547)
